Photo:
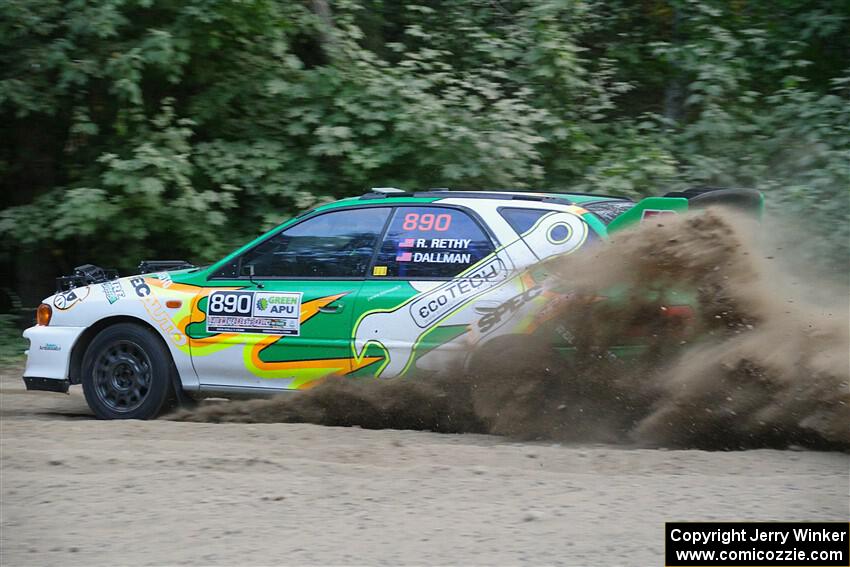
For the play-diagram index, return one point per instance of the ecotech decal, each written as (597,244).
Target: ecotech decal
(424,312)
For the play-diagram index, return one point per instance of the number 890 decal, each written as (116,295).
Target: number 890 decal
(254,312)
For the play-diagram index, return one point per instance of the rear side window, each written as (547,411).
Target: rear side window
(521,220)
(430,242)
(608,210)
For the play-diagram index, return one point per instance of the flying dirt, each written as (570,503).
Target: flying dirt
(762,361)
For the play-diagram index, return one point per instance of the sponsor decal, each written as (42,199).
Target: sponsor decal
(444,299)
(559,233)
(254,312)
(165,278)
(566,335)
(49,346)
(453,256)
(379,271)
(427,222)
(384,292)
(113,291)
(156,311)
(651,213)
(163,320)
(142,289)
(395,333)
(509,307)
(392,329)
(453,243)
(442,257)
(556,233)
(68,299)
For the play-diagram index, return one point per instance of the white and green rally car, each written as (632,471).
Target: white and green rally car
(374,286)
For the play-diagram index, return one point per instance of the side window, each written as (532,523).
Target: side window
(521,220)
(430,242)
(608,210)
(338,244)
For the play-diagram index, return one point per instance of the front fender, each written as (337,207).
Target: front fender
(154,299)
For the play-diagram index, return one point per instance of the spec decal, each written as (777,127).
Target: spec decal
(113,291)
(254,312)
(68,299)
(509,307)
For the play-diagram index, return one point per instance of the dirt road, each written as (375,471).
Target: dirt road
(76,491)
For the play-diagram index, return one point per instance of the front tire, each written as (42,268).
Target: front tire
(128,373)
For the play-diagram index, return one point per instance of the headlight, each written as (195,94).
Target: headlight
(43,314)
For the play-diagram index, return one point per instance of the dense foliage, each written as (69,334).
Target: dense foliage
(148,128)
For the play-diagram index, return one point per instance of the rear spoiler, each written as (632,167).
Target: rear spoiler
(748,201)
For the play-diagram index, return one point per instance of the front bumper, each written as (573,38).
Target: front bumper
(47,384)
(49,354)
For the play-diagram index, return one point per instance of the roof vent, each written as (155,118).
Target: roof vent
(387,190)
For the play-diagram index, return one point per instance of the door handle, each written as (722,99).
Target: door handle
(331,308)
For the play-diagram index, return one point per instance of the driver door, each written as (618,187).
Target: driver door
(289,324)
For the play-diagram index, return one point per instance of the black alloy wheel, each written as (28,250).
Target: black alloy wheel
(128,373)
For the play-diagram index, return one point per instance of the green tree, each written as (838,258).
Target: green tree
(136,128)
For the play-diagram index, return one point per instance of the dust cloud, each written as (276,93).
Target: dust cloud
(762,361)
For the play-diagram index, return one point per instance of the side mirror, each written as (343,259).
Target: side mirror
(249,271)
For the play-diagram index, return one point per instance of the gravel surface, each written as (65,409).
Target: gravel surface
(76,491)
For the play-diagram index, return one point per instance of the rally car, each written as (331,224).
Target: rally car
(372,286)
